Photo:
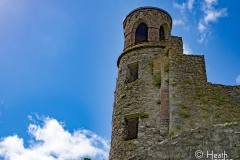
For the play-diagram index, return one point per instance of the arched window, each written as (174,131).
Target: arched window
(161,33)
(141,34)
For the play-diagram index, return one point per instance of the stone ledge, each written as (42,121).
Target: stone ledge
(139,46)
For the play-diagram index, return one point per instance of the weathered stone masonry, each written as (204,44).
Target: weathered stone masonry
(162,94)
(214,140)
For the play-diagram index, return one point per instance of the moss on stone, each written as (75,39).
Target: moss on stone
(127,87)
(166,67)
(188,81)
(204,101)
(174,83)
(157,79)
(171,134)
(122,96)
(220,101)
(217,115)
(178,127)
(181,60)
(119,112)
(228,124)
(151,63)
(184,114)
(167,81)
(158,102)
(183,106)
(197,95)
(166,53)
(143,115)
(205,109)
(205,116)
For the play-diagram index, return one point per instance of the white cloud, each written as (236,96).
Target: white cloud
(209,3)
(208,11)
(238,80)
(201,27)
(210,14)
(183,6)
(202,38)
(190,4)
(186,49)
(213,15)
(177,22)
(52,142)
(179,6)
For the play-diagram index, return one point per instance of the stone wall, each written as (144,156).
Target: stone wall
(148,95)
(194,101)
(135,98)
(217,140)
(234,93)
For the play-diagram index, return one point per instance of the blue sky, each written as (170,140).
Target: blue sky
(58,68)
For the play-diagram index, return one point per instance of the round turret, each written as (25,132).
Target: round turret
(146,24)
(141,103)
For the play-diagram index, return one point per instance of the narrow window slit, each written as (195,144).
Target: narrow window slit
(161,33)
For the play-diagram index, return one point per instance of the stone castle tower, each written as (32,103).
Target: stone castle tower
(162,93)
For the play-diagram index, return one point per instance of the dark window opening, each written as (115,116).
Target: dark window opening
(131,128)
(141,34)
(132,74)
(161,33)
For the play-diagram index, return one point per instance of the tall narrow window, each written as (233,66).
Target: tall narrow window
(131,128)
(161,33)
(141,34)
(132,74)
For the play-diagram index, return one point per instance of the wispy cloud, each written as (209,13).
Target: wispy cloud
(238,79)
(209,14)
(177,22)
(186,49)
(213,15)
(211,2)
(52,142)
(201,27)
(183,6)
(190,4)
(202,38)
(179,6)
